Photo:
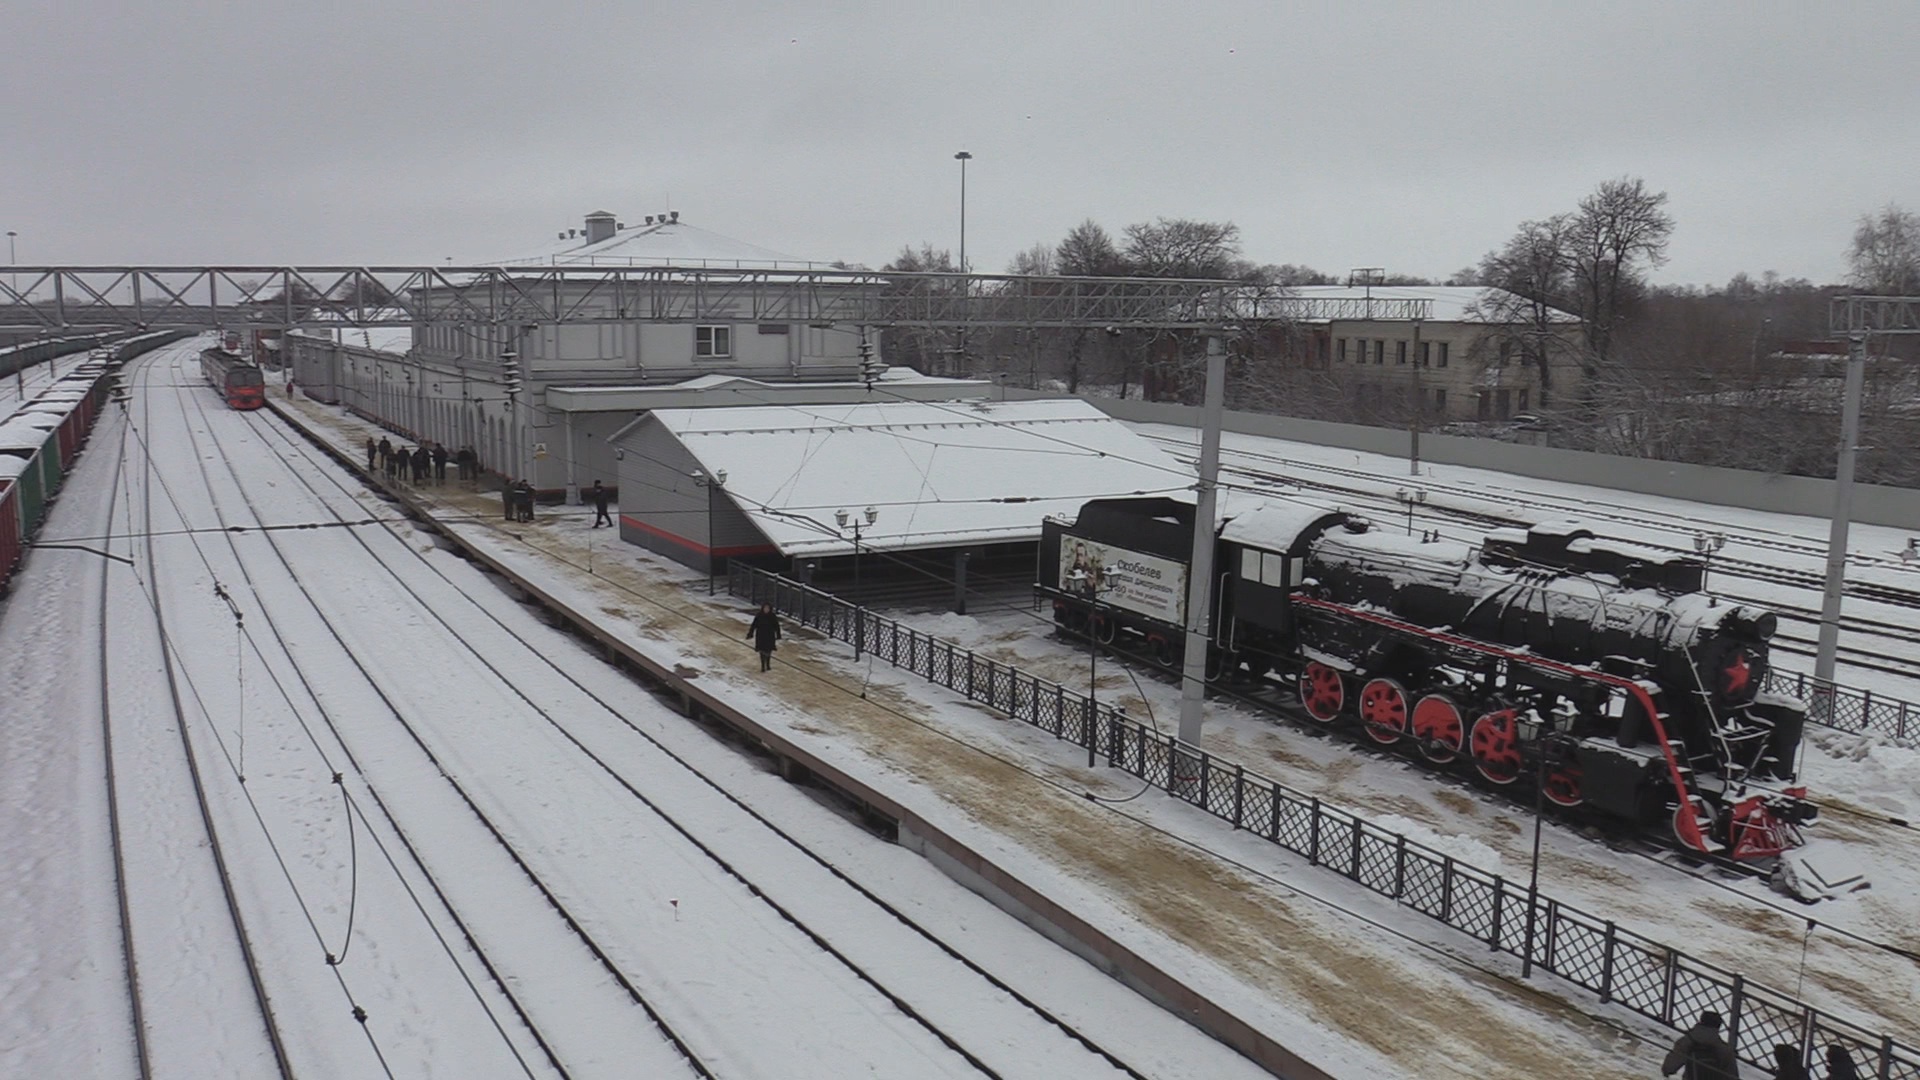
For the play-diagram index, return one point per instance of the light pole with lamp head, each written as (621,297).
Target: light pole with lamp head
(853,521)
(1091,586)
(963,157)
(711,483)
(1707,545)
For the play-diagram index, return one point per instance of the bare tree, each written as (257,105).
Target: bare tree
(1885,255)
(1617,230)
(1088,251)
(1184,248)
(1530,279)
(1036,260)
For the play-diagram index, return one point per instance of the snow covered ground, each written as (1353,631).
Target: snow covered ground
(1272,931)
(390,628)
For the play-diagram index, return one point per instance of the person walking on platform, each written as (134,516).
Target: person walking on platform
(764,632)
(373,451)
(1840,1064)
(524,491)
(386,456)
(468,462)
(599,495)
(1702,1053)
(1786,1064)
(510,502)
(422,463)
(439,463)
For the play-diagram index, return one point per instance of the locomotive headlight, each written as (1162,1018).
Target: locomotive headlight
(1756,621)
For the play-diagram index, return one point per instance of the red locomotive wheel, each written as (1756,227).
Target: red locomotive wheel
(1438,726)
(1496,746)
(1322,692)
(1563,786)
(1383,711)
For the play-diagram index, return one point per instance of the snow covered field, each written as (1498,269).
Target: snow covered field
(430,690)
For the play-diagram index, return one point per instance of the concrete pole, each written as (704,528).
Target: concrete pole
(1193,675)
(1419,408)
(1842,519)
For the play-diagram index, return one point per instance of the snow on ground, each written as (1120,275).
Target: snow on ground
(362,628)
(1312,959)
(1788,542)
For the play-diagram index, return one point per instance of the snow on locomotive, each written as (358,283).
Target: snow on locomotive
(1597,669)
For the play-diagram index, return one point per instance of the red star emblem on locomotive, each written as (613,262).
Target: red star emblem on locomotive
(1736,673)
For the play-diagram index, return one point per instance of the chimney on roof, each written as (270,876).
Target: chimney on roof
(562,235)
(619,226)
(649,219)
(599,226)
(676,216)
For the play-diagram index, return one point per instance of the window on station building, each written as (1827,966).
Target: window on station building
(1379,352)
(1520,400)
(1440,401)
(1443,355)
(712,341)
(1426,354)
(1399,352)
(1340,350)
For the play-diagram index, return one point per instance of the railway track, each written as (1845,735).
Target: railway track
(489,656)
(192,755)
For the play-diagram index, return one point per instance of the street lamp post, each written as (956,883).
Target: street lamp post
(963,157)
(1706,544)
(854,522)
(1547,748)
(711,483)
(1410,498)
(1085,580)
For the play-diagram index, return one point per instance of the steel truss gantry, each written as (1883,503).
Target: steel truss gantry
(59,298)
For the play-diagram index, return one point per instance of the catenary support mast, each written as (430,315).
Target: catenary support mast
(1193,676)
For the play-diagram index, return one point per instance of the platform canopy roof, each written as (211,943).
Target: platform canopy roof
(659,243)
(940,474)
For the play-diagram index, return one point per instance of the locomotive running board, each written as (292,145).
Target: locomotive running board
(1686,826)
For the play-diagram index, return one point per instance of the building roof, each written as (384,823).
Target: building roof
(663,243)
(940,474)
(709,391)
(1451,303)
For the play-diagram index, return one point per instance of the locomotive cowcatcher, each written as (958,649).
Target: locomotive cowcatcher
(1597,669)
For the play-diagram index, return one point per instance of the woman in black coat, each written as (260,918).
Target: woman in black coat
(764,631)
(1840,1064)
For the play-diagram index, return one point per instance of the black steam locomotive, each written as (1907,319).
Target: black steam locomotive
(1595,668)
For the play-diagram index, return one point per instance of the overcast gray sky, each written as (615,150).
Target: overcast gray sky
(1410,136)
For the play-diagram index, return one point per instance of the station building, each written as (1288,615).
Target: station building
(581,382)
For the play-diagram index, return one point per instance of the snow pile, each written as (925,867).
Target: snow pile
(1869,770)
(1460,848)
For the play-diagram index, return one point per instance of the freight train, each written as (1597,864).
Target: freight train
(239,380)
(1596,669)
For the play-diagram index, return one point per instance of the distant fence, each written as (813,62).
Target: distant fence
(1620,966)
(1846,708)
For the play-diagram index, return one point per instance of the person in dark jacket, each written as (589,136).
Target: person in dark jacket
(525,500)
(599,496)
(469,462)
(386,456)
(422,463)
(1786,1064)
(1840,1064)
(1702,1053)
(373,451)
(765,631)
(439,463)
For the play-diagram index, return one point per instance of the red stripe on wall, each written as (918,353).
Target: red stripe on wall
(691,545)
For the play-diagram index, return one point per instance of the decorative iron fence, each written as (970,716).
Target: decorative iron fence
(1846,708)
(1618,965)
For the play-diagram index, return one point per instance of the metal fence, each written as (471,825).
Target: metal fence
(1618,965)
(1848,709)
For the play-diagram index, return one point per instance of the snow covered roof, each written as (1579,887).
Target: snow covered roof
(709,391)
(27,432)
(390,339)
(1451,303)
(662,243)
(940,474)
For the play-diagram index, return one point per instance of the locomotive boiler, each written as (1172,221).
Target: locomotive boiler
(1597,669)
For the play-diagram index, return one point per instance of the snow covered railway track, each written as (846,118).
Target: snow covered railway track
(930,983)
(153,800)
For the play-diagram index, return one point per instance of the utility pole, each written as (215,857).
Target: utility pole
(1823,663)
(1419,407)
(1193,675)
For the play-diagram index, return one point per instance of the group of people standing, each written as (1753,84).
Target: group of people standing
(1702,1054)
(424,463)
